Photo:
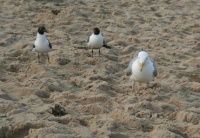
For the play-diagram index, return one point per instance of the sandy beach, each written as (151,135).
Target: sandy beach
(95,92)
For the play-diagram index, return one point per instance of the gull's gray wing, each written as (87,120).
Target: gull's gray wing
(50,45)
(128,70)
(104,43)
(154,65)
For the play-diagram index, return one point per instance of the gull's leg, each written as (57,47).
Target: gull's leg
(92,52)
(147,85)
(38,58)
(99,52)
(133,84)
(48,57)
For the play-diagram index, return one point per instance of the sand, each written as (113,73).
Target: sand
(95,92)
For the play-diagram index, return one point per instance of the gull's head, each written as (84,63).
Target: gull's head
(96,31)
(42,29)
(142,56)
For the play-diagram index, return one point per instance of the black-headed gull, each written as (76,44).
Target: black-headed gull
(96,40)
(42,44)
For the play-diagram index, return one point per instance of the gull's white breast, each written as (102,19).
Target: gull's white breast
(95,41)
(145,75)
(41,44)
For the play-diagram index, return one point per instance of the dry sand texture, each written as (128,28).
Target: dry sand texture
(95,92)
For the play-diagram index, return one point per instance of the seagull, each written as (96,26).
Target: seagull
(96,40)
(142,69)
(42,44)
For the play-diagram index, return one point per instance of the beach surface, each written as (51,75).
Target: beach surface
(95,94)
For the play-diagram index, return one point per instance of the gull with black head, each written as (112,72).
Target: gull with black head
(42,44)
(96,40)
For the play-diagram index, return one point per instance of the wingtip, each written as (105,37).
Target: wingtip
(106,46)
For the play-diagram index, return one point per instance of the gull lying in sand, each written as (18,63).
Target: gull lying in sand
(42,44)
(142,69)
(96,40)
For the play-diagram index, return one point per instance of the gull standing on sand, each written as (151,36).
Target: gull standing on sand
(42,44)
(142,69)
(96,40)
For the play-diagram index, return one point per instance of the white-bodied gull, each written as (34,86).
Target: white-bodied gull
(142,69)
(96,40)
(42,44)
